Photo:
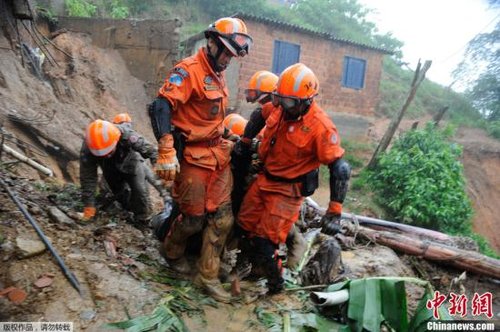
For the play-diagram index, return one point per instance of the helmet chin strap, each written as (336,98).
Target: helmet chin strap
(213,59)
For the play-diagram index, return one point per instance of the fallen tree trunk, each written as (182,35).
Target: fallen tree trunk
(467,260)
(379,223)
(389,225)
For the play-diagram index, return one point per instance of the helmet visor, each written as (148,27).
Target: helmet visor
(285,102)
(252,95)
(237,43)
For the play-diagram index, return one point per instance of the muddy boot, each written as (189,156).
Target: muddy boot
(213,287)
(296,247)
(179,265)
(266,257)
(214,238)
(175,242)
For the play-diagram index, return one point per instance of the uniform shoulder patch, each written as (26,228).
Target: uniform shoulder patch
(334,138)
(181,71)
(208,79)
(175,79)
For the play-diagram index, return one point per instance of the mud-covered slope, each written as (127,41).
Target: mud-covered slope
(481,159)
(88,84)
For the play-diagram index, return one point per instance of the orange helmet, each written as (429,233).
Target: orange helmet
(101,137)
(297,81)
(235,123)
(232,32)
(122,117)
(261,84)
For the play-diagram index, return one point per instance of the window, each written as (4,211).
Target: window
(354,73)
(285,54)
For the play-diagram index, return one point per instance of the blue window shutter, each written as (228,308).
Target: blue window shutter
(353,75)
(284,55)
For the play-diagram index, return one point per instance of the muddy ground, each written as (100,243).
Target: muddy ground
(132,282)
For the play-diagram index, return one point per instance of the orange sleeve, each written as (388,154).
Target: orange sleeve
(178,87)
(328,145)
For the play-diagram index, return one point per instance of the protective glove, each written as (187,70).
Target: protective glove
(242,148)
(229,135)
(167,164)
(330,222)
(255,145)
(88,213)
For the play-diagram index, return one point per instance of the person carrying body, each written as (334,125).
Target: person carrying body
(187,120)
(298,137)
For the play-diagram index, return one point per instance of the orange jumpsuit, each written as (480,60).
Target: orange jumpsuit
(289,149)
(198,97)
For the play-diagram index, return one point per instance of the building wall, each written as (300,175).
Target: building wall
(149,47)
(325,58)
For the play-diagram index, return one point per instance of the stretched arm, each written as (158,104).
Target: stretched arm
(88,181)
(340,172)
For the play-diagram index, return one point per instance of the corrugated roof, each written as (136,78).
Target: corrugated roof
(317,33)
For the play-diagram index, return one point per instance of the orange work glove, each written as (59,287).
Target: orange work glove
(167,164)
(88,212)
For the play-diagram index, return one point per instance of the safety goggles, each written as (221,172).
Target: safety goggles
(237,43)
(285,102)
(252,95)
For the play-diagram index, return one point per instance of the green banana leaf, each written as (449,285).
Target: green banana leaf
(373,301)
(300,322)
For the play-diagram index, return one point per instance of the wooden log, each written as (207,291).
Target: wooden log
(378,223)
(466,260)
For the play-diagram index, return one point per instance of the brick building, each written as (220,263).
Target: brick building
(348,72)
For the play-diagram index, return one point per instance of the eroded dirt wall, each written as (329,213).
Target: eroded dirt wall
(148,47)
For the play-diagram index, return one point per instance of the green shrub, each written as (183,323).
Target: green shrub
(484,246)
(493,129)
(420,181)
(80,8)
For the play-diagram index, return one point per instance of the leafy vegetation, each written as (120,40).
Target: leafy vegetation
(373,303)
(480,71)
(80,8)
(162,319)
(420,180)
(382,301)
(167,314)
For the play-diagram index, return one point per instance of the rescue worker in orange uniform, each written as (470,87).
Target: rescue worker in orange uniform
(120,152)
(187,119)
(260,88)
(298,137)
